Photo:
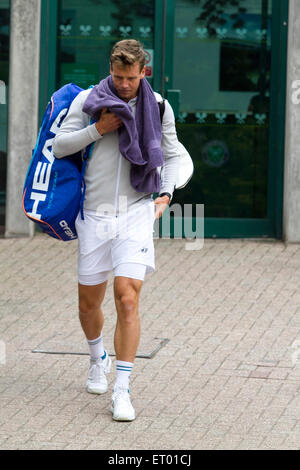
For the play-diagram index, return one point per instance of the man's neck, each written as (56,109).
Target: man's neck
(129,99)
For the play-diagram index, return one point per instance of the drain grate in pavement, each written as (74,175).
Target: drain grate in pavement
(265,369)
(59,344)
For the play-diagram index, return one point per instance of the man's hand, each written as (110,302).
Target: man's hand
(161,204)
(107,122)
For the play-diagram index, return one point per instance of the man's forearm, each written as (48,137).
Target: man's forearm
(169,175)
(67,143)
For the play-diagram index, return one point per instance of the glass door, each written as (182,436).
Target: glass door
(223,58)
(87,31)
(77,36)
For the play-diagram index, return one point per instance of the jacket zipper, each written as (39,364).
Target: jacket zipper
(118,185)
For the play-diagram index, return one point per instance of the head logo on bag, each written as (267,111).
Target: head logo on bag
(53,187)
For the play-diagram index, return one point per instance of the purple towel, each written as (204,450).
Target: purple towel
(139,137)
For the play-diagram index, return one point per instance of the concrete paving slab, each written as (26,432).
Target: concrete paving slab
(229,377)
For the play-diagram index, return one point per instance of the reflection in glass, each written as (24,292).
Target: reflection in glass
(221,64)
(88,30)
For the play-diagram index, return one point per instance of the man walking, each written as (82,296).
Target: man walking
(130,145)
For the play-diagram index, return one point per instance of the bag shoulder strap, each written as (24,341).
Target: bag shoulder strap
(161,105)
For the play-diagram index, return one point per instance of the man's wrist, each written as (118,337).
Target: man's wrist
(166,194)
(98,129)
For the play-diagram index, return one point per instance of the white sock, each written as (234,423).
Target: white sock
(96,349)
(124,370)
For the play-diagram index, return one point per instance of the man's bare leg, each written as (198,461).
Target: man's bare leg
(92,320)
(127,333)
(90,313)
(126,340)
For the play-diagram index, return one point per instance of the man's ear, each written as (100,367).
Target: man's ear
(143,71)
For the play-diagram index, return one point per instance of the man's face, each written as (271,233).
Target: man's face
(127,79)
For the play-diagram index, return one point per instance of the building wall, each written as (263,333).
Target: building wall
(291,205)
(23,108)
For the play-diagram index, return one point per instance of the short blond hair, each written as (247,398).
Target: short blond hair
(128,52)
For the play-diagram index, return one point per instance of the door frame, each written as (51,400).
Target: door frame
(271,226)
(49,16)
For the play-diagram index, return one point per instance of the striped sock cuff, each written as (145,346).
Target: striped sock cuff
(93,342)
(96,348)
(124,370)
(124,366)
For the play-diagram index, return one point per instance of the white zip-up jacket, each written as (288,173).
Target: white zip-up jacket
(107,174)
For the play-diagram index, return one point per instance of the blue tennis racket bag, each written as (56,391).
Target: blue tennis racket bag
(54,188)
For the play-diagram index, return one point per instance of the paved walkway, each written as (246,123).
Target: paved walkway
(228,378)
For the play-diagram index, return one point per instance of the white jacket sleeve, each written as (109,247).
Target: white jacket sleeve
(76,132)
(170,149)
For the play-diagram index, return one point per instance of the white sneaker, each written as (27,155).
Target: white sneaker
(97,382)
(121,406)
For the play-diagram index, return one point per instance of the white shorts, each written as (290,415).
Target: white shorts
(122,243)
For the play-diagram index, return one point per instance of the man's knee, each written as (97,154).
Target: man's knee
(127,299)
(89,299)
(88,306)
